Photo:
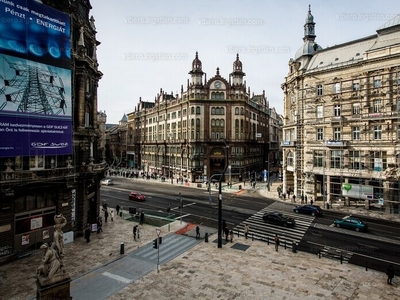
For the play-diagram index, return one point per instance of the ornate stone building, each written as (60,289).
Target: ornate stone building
(342,119)
(36,188)
(191,135)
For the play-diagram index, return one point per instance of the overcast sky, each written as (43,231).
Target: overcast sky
(150,44)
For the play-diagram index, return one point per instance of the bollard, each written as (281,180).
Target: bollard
(341,258)
(366,265)
(122,251)
(252,236)
(319,253)
(267,240)
(120,214)
(294,247)
(238,232)
(206,237)
(285,245)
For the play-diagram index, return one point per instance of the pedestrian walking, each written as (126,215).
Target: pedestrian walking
(117,208)
(99,225)
(135,232)
(302,199)
(246,230)
(105,216)
(112,215)
(231,235)
(138,233)
(226,233)
(305,198)
(276,242)
(141,222)
(88,232)
(311,201)
(294,198)
(197,232)
(390,274)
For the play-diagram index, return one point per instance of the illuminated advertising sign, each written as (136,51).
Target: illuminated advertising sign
(35,80)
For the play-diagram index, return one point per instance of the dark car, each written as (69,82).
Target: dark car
(136,196)
(350,222)
(313,210)
(279,219)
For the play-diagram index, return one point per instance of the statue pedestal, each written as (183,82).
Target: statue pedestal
(53,288)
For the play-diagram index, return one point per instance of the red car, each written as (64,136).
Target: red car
(136,196)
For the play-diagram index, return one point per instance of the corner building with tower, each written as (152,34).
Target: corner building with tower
(191,136)
(341,133)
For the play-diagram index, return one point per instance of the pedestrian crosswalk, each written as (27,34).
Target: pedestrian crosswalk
(260,230)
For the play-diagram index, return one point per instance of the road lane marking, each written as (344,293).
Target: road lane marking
(117,277)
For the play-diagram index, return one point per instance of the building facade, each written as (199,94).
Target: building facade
(341,134)
(214,124)
(35,188)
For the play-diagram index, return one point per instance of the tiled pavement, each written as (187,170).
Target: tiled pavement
(207,272)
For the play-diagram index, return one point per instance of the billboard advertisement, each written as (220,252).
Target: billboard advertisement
(357,191)
(35,80)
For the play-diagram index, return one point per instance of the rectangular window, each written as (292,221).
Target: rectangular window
(336,159)
(36,162)
(355,160)
(336,110)
(319,90)
(378,160)
(377,105)
(319,157)
(337,88)
(378,132)
(356,109)
(320,112)
(320,134)
(356,86)
(377,82)
(337,133)
(356,132)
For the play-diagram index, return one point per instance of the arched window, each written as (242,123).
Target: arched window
(236,110)
(197,110)
(213,110)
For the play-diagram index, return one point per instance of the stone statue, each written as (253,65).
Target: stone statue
(58,244)
(51,265)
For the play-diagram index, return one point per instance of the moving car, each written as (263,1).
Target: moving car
(279,219)
(107,182)
(313,210)
(350,222)
(136,196)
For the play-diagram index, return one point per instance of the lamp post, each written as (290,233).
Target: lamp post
(220,197)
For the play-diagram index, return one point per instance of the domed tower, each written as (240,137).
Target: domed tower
(310,46)
(237,74)
(196,72)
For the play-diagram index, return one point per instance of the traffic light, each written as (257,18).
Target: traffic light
(155,244)
(160,240)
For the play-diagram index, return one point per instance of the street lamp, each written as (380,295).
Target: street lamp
(220,197)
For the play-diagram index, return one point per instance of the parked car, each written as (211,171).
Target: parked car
(279,219)
(313,210)
(107,182)
(136,196)
(350,222)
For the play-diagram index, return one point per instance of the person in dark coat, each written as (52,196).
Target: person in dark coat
(135,229)
(197,232)
(141,221)
(226,233)
(117,208)
(390,274)
(87,233)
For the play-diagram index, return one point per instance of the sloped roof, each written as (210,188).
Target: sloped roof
(392,22)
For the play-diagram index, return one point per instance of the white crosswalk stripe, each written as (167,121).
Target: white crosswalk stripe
(263,231)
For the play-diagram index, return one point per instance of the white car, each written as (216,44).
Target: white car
(107,182)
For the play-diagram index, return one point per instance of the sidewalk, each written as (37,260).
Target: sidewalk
(244,269)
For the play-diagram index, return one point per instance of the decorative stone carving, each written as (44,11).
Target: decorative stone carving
(51,265)
(58,243)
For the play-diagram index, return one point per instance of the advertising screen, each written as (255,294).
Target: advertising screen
(35,80)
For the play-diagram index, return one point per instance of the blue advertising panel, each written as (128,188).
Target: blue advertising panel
(35,80)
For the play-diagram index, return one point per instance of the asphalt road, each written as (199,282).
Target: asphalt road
(374,249)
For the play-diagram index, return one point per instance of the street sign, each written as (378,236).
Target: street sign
(158,231)
(258,135)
